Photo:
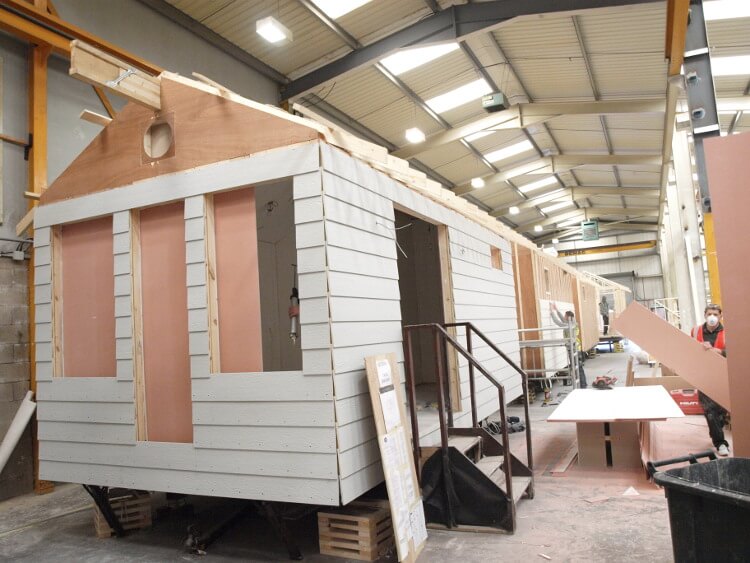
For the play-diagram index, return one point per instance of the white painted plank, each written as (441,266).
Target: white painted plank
(353,408)
(123,327)
(195,228)
(43,371)
(41,254)
(121,243)
(345,309)
(194,206)
(43,332)
(185,457)
(42,274)
(277,413)
(315,336)
(41,237)
(195,252)
(359,457)
(311,260)
(197,320)
(351,261)
(197,297)
(97,432)
(43,293)
(199,367)
(121,264)
(360,482)
(317,363)
(313,285)
(313,311)
(86,389)
(308,210)
(353,285)
(111,413)
(353,358)
(268,438)
(268,165)
(310,234)
(122,285)
(365,199)
(307,185)
(282,489)
(354,433)
(380,243)
(198,343)
(125,370)
(121,222)
(361,333)
(264,386)
(346,214)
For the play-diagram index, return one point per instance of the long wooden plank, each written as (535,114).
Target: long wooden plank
(704,369)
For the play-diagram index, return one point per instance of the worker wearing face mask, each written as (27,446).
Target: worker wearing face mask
(711,334)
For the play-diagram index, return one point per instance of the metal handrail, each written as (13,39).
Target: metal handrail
(517,368)
(441,337)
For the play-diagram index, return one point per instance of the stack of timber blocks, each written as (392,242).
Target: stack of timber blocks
(362,530)
(17,477)
(132,508)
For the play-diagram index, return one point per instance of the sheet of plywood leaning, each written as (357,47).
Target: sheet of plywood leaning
(729,178)
(394,439)
(687,357)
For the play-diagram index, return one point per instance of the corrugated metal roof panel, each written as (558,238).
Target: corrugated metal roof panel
(462,169)
(547,37)
(635,140)
(727,86)
(382,17)
(601,177)
(571,141)
(441,75)
(728,33)
(236,22)
(199,10)
(556,79)
(640,177)
(624,75)
(634,30)
(361,92)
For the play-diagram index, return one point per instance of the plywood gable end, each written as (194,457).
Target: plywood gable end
(205,128)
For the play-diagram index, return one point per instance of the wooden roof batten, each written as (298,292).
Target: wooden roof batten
(304,128)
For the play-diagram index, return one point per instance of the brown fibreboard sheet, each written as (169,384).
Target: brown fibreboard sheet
(703,369)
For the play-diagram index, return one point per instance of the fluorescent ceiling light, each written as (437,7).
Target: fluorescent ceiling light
(538,228)
(556,206)
(730,66)
(548,181)
(555,241)
(409,59)
(514,210)
(459,96)
(272,31)
(336,8)
(477,183)
(507,152)
(480,134)
(414,135)
(726,9)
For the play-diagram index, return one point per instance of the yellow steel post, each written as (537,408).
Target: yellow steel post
(711,258)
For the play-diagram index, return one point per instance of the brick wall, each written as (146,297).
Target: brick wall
(17,477)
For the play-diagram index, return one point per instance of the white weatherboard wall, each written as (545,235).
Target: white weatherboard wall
(268,436)
(362,277)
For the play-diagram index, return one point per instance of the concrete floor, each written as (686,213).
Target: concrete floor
(579,515)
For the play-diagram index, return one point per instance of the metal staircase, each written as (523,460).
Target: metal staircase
(472,479)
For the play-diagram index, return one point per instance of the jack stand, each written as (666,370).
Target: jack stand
(101,498)
(271,512)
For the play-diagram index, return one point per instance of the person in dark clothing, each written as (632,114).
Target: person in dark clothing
(604,312)
(711,334)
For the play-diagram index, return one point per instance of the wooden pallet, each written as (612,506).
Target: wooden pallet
(362,530)
(133,509)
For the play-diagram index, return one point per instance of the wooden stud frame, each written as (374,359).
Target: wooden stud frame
(449,314)
(139,381)
(214,350)
(57,320)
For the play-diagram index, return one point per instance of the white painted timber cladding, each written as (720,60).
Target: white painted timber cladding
(365,309)
(268,436)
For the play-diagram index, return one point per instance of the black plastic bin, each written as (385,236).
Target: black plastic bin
(709,508)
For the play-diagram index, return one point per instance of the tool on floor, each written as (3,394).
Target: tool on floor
(604,382)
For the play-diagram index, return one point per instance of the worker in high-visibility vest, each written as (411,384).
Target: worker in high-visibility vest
(568,322)
(711,334)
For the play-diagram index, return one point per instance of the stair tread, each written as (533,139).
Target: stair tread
(488,465)
(463,443)
(520,483)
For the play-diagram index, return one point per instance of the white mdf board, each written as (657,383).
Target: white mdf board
(651,402)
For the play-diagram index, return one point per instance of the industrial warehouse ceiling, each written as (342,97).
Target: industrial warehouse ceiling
(584,137)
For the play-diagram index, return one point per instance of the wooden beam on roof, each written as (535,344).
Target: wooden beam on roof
(525,115)
(624,247)
(96,67)
(66,31)
(677,21)
(33,33)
